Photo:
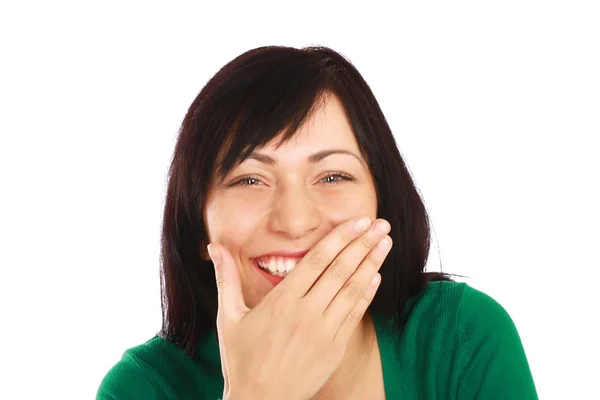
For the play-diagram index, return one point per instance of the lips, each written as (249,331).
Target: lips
(274,280)
(276,257)
(283,254)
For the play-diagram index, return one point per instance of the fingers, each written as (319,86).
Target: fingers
(352,319)
(232,307)
(348,304)
(312,265)
(337,275)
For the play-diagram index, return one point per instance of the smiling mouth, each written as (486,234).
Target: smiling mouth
(275,273)
(278,266)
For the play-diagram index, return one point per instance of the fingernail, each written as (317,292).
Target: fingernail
(214,254)
(382,227)
(376,280)
(384,245)
(362,224)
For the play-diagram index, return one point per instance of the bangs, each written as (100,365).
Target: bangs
(280,97)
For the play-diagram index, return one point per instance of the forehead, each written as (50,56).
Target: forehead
(328,127)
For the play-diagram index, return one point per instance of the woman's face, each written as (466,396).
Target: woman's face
(285,200)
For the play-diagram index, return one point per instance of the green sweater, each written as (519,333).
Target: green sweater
(459,343)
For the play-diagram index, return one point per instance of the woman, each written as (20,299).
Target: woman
(286,167)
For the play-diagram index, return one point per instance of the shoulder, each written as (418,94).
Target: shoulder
(489,353)
(437,316)
(478,312)
(130,377)
(462,303)
(457,340)
(159,368)
(466,310)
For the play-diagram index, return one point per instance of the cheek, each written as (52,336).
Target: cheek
(231,222)
(351,202)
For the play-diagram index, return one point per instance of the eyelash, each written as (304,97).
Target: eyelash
(344,177)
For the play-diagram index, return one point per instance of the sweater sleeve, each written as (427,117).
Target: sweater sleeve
(494,362)
(126,381)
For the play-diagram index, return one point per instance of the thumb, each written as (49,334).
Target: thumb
(229,287)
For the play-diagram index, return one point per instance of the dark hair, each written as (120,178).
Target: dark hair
(248,103)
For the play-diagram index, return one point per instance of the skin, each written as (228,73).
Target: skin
(291,204)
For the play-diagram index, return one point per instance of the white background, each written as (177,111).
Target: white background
(495,106)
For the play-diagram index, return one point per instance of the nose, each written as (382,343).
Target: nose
(294,213)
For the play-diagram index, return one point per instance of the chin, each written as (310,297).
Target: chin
(255,293)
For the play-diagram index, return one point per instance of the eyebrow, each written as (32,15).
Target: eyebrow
(313,158)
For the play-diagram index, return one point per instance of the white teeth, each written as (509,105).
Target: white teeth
(290,264)
(279,266)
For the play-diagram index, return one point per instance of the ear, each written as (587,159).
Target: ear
(203,251)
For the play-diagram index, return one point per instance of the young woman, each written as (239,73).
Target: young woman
(313,286)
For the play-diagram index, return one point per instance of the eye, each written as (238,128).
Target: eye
(336,177)
(332,178)
(246,181)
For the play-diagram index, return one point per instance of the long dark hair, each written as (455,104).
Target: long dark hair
(249,102)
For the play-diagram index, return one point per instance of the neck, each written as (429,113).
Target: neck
(349,376)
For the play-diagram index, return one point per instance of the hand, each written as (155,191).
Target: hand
(289,345)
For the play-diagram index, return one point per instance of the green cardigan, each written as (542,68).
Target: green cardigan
(459,343)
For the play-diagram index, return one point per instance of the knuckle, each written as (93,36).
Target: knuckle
(354,317)
(338,271)
(317,260)
(353,292)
